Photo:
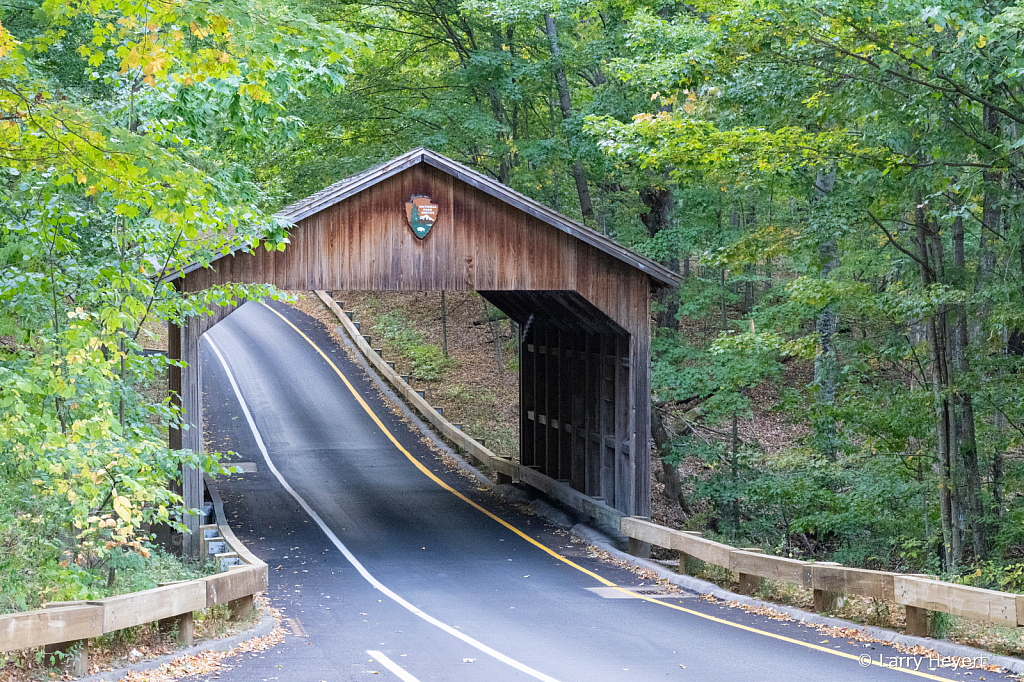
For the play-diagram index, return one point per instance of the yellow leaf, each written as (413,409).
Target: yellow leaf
(122,508)
(982,40)
(132,61)
(939,28)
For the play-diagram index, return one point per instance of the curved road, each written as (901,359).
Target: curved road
(385,562)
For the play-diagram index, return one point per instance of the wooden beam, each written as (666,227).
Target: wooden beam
(192,433)
(50,626)
(137,608)
(639,437)
(624,469)
(960,600)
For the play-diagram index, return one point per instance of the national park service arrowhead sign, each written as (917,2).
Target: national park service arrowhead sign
(421,213)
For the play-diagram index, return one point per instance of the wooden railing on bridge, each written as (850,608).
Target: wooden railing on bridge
(919,594)
(67,627)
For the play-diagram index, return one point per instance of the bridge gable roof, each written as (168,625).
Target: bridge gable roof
(343,189)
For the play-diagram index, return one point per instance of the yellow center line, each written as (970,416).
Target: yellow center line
(563,559)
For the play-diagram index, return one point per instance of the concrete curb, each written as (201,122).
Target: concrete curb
(261,629)
(944,647)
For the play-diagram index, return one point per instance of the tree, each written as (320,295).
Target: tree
(124,128)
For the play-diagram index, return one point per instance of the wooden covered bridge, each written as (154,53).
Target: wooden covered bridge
(422,222)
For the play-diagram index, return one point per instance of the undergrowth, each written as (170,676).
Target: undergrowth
(38,564)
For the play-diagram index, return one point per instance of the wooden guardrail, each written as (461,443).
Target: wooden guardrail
(920,594)
(506,469)
(67,627)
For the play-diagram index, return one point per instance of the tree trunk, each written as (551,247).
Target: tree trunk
(565,102)
(964,410)
(670,472)
(735,466)
(658,201)
(826,365)
(944,437)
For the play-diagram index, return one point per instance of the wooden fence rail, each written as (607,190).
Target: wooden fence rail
(920,594)
(68,626)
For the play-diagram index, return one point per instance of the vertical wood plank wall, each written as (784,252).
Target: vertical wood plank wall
(588,376)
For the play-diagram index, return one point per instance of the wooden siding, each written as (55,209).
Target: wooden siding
(478,243)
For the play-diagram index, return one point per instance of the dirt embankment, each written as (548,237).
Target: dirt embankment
(477,386)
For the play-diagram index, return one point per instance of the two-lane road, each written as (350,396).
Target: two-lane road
(387,562)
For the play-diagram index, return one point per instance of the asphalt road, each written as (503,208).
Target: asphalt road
(382,569)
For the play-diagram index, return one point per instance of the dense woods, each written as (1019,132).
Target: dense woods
(838,182)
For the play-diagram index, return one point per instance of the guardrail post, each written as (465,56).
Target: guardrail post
(639,548)
(688,564)
(919,622)
(72,656)
(750,584)
(826,600)
(241,607)
(503,479)
(183,624)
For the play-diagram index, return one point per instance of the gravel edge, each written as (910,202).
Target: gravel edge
(261,629)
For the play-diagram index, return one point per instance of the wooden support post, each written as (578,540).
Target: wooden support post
(192,436)
(577,401)
(688,564)
(606,421)
(625,470)
(826,601)
(527,361)
(919,622)
(640,416)
(166,537)
(183,626)
(750,584)
(242,607)
(591,419)
(550,441)
(71,657)
(639,548)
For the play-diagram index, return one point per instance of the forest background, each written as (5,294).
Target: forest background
(839,183)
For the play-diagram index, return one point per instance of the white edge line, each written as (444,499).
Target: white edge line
(522,667)
(392,666)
